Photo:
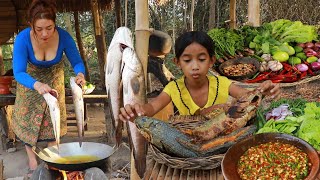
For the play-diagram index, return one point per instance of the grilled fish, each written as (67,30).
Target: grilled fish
(54,108)
(77,98)
(164,137)
(121,39)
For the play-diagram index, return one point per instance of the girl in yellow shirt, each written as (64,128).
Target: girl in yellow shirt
(195,89)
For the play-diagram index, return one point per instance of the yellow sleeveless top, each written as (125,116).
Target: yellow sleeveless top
(180,96)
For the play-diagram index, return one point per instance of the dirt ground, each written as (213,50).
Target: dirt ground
(16,164)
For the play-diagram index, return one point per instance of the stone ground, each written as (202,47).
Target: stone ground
(15,163)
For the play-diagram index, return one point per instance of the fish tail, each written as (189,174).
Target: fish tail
(119,133)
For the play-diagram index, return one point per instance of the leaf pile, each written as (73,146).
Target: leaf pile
(226,42)
(303,124)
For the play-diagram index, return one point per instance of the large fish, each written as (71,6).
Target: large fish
(77,97)
(121,39)
(54,108)
(134,92)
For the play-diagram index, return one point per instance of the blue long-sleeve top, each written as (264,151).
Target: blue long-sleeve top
(23,53)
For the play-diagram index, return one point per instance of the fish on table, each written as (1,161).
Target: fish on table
(113,72)
(77,97)
(54,109)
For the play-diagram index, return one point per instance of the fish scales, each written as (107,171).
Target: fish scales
(54,109)
(134,91)
(163,136)
(77,97)
(121,39)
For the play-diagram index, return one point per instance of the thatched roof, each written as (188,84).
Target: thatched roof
(67,5)
(13,13)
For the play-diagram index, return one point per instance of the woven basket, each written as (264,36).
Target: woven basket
(203,163)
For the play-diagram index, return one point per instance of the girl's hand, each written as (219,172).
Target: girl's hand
(270,89)
(129,112)
(42,88)
(80,79)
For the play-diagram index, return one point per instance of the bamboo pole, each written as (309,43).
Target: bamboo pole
(1,63)
(233,18)
(254,12)
(100,38)
(142,34)
(80,44)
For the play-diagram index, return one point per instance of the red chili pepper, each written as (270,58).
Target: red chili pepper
(303,75)
(287,67)
(289,80)
(310,71)
(260,77)
(283,71)
(276,80)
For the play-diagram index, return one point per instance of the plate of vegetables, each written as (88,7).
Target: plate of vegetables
(271,156)
(88,88)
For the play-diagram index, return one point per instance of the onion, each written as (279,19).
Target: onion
(309,45)
(302,67)
(317,44)
(315,66)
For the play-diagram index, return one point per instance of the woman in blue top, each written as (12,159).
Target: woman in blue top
(38,69)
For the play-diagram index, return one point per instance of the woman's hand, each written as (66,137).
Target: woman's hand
(42,88)
(270,89)
(80,79)
(129,112)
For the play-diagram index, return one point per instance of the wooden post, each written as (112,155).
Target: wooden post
(233,18)
(142,45)
(117,6)
(1,63)
(100,39)
(80,44)
(254,13)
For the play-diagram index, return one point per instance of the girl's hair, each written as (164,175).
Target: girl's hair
(42,9)
(190,37)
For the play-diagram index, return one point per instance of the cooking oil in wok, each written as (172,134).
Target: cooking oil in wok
(76,159)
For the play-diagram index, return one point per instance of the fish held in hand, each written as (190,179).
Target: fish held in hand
(121,40)
(54,108)
(77,98)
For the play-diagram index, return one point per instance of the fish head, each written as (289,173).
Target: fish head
(148,127)
(123,35)
(245,104)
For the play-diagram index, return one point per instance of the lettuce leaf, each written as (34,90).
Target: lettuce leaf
(310,127)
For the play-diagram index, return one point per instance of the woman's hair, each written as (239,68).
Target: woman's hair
(42,9)
(190,37)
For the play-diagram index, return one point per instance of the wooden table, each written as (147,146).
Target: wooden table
(163,172)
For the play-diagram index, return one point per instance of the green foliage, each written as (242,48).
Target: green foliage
(293,31)
(226,42)
(173,68)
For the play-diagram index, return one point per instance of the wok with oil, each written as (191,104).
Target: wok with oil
(72,157)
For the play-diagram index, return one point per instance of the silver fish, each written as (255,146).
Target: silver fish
(54,108)
(121,39)
(134,92)
(77,97)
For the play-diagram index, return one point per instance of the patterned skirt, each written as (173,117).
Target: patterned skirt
(31,120)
